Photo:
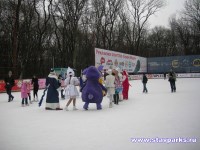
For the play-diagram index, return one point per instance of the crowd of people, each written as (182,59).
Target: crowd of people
(94,83)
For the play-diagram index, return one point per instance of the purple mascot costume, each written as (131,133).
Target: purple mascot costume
(92,91)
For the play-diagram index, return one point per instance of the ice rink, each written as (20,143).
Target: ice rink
(158,114)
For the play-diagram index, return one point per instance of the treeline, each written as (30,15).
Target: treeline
(36,35)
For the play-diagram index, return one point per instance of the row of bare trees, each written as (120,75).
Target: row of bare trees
(36,35)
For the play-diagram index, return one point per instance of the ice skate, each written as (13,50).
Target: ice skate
(110,105)
(74,108)
(66,108)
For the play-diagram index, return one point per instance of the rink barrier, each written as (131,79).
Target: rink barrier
(161,76)
(17,86)
(41,82)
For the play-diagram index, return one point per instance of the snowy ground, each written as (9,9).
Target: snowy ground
(159,113)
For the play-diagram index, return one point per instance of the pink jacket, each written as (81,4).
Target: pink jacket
(24,90)
(28,87)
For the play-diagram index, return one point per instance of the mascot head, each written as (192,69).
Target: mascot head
(92,73)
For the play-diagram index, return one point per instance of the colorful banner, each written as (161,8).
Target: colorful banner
(111,59)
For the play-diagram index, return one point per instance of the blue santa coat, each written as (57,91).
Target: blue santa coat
(52,93)
(92,92)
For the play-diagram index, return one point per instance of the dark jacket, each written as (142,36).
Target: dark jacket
(172,77)
(9,82)
(35,83)
(144,79)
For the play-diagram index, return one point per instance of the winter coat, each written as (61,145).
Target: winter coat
(110,84)
(9,82)
(144,79)
(118,85)
(172,77)
(125,82)
(28,88)
(52,93)
(35,83)
(24,90)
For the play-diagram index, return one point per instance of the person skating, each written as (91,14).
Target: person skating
(35,84)
(110,85)
(125,85)
(71,91)
(9,83)
(24,93)
(144,81)
(29,90)
(172,80)
(118,86)
(52,99)
(60,78)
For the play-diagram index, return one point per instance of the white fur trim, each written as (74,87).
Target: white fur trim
(53,105)
(53,76)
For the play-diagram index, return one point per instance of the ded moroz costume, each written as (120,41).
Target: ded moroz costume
(52,100)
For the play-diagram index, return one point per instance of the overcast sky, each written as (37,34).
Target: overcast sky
(162,17)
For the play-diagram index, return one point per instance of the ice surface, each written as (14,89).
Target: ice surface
(159,113)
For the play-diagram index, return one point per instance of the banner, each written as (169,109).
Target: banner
(161,76)
(181,64)
(110,59)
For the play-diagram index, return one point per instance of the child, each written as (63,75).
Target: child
(24,92)
(110,85)
(29,91)
(118,85)
(71,91)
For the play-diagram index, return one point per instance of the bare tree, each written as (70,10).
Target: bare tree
(192,12)
(141,11)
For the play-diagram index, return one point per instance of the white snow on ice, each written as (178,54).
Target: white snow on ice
(159,113)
